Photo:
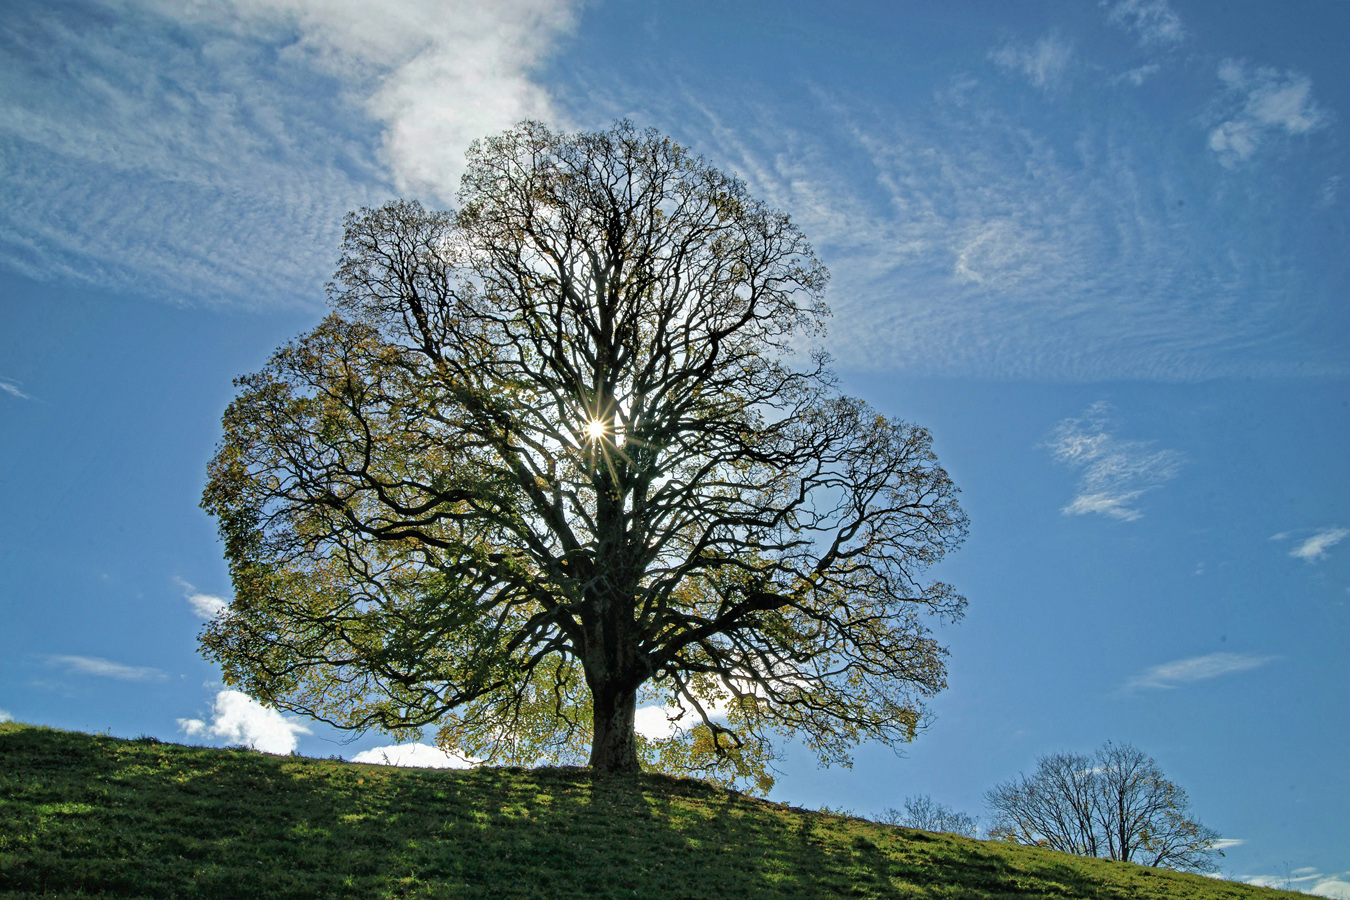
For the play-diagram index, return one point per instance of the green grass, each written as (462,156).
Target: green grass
(86,815)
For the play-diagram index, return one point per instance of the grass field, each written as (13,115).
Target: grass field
(86,815)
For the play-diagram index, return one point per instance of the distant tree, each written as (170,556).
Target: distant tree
(1115,804)
(560,451)
(926,814)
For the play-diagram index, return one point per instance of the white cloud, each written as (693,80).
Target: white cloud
(1115,472)
(1270,881)
(437,74)
(1331,189)
(237,718)
(1315,548)
(1308,880)
(140,155)
(962,243)
(1279,882)
(1154,22)
(201,151)
(664,722)
(1196,668)
(206,606)
(1138,75)
(208,151)
(421,756)
(103,668)
(654,722)
(5,716)
(1336,886)
(1226,843)
(997,253)
(12,389)
(1043,63)
(1261,103)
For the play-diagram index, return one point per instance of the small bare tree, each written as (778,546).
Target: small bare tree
(926,814)
(1115,804)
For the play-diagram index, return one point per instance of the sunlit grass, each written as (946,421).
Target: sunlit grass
(88,815)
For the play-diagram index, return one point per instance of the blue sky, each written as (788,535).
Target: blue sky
(1099,249)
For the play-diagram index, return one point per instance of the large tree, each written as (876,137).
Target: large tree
(565,449)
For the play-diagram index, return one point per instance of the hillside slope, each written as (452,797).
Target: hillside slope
(87,815)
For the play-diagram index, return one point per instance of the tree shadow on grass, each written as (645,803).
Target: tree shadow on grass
(99,816)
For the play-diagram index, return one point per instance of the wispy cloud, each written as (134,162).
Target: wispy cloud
(104,668)
(1313,549)
(1043,63)
(1115,472)
(237,718)
(209,151)
(1138,75)
(5,716)
(1226,843)
(1153,22)
(962,243)
(422,756)
(1261,103)
(1196,668)
(436,74)
(1331,189)
(206,606)
(12,389)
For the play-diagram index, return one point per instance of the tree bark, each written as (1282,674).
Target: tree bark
(614,743)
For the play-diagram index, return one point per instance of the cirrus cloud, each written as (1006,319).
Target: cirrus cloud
(436,74)
(1043,63)
(12,389)
(1115,472)
(1314,549)
(207,152)
(1196,668)
(105,668)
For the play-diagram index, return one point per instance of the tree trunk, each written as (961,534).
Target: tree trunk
(614,745)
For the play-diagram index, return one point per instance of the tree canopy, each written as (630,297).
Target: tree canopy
(565,450)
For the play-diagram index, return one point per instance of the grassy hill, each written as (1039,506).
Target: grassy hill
(86,815)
